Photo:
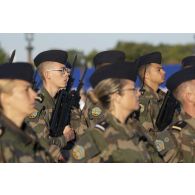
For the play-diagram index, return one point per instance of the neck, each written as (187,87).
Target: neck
(121,116)
(15,117)
(52,90)
(152,85)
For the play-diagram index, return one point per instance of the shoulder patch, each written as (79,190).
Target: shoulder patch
(78,152)
(159,145)
(96,111)
(40,98)
(179,125)
(102,125)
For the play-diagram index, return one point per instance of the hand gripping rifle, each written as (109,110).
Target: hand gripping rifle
(166,112)
(66,101)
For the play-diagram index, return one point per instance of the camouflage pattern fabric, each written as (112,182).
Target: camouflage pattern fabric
(40,122)
(150,104)
(20,145)
(111,141)
(184,132)
(93,113)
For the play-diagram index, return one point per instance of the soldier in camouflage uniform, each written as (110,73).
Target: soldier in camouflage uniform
(93,111)
(18,142)
(182,84)
(151,75)
(111,140)
(55,75)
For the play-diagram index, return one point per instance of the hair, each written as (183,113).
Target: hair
(142,71)
(181,90)
(6,86)
(106,88)
(42,68)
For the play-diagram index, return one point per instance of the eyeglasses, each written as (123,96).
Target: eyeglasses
(62,70)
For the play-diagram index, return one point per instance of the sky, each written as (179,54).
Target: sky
(84,41)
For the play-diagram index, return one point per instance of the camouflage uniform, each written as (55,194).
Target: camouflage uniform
(184,132)
(93,113)
(150,104)
(111,141)
(40,122)
(20,145)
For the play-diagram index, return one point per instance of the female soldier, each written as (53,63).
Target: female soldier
(18,143)
(112,140)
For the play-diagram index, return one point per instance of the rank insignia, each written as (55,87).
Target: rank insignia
(78,152)
(33,115)
(159,145)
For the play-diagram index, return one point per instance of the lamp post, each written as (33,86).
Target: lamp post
(193,46)
(29,38)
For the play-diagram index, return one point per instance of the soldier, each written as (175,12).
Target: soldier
(152,75)
(18,142)
(111,140)
(182,85)
(92,111)
(51,66)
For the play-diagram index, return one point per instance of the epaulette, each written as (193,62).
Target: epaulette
(40,97)
(102,125)
(179,125)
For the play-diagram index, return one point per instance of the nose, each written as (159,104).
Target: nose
(138,92)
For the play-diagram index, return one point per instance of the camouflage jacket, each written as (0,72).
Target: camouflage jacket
(40,122)
(111,141)
(150,104)
(93,113)
(20,145)
(184,132)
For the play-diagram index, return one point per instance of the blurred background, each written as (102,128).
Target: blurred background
(173,46)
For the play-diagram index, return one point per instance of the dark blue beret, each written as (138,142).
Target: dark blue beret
(108,57)
(154,57)
(125,70)
(188,61)
(51,55)
(179,77)
(18,70)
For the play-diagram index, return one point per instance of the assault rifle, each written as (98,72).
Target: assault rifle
(166,112)
(66,101)
(12,56)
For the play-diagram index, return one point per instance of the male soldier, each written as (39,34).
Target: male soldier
(51,66)
(152,75)
(182,85)
(92,110)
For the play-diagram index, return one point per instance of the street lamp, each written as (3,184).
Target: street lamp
(29,38)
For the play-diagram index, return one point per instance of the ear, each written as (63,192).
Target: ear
(189,97)
(46,74)
(4,98)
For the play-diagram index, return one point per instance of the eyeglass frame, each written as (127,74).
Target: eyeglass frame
(63,70)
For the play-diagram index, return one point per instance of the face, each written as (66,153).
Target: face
(58,75)
(22,98)
(155,73)
(129,100)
